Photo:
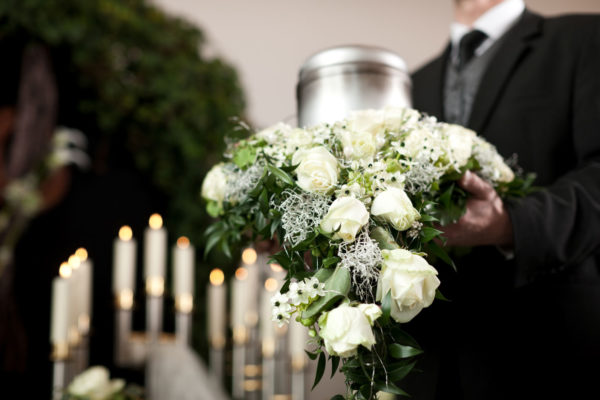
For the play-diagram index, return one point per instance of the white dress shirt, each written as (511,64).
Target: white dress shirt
(495,22)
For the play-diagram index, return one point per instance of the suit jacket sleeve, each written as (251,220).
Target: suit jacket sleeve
(559,226)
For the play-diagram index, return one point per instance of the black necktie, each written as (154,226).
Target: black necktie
(467,45)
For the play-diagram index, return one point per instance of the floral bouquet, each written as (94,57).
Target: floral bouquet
(353,205)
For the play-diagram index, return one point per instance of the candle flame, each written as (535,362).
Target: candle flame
(82,254)
(276,267)
(125,233)
(217,277)
(241,273)
(249,256)
(271,284)
(74,262)
(183,242)
(155,221)
(65,270)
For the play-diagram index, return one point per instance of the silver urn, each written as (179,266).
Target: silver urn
(338,80)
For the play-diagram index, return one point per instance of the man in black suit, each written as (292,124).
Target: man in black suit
(524,320)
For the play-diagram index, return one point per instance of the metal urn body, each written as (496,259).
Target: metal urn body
(338,80)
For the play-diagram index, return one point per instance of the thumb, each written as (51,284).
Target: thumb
(473,184)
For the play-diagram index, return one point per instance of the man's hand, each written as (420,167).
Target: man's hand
(486,221)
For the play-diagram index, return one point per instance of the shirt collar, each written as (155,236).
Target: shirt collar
(494,22)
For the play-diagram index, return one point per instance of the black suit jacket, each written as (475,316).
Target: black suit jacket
(526,327)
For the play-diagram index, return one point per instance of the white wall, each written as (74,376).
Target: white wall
(268,40)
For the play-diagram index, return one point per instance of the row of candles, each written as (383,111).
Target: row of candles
(263,353)
(70,318)
(250,290)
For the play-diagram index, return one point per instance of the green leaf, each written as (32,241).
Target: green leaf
(437,251)
(390,388)
(214,209)
(312,356)
(428,233)
(329,261)
(212,241)
(399,372)
(323,274)
(337,287)
(244,156)
(440,296)
(384,239)
(338,397)
(320,369)
(282,175)
(401,351)
(402,337)
(226,249)
(335,362)
(427,218)
(263,200)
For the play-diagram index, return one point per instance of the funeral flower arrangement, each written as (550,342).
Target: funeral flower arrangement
(353,206)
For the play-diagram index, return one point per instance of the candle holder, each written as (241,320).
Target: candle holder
(240,338)
(123,314)
(155,287)
(184,304)
(59,357)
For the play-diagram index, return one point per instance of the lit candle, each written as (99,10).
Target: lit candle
(86,274)
(253,281)
(75,296)
(183,270)
(155,255)
(239,290)
(267,326)
(124,261)
(216,308)
(59,324)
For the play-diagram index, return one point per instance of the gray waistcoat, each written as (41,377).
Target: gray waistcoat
(461,87)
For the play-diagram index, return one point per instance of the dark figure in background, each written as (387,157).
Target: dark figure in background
(524,320)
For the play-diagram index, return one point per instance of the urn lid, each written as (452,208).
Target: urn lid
(351,55)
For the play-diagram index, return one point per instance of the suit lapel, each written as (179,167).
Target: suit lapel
(437,83)
(512,50)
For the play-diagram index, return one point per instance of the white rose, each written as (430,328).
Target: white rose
(215,184)
(344,329)
(416,141)
(297,139)
(94,384)
(394,206)
(317,169)
(369,123)
(371,311)
(493,167)
(273,134)
(460,144)
(399,118)
(358,145)
(346,215)
(411,281)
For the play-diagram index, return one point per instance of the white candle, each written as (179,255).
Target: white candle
(124,261)
(298,338)
(59,325)
(216,308)
(239,286)
(155,248)
(86,278)
(267,326)
(183,267)
(75,295)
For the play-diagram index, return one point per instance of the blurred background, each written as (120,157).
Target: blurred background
(155,88)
